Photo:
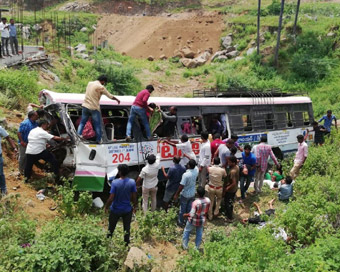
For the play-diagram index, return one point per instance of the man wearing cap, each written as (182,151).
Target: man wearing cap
(300,157)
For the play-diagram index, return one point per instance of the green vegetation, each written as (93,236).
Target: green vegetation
(311,220)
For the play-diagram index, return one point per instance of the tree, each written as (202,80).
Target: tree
(279,34)
(258,26)
(296,17)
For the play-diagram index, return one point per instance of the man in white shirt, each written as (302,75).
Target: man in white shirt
(36,149)
(223,152)
(149,175)
(204,159)
(4,28)
(186,149)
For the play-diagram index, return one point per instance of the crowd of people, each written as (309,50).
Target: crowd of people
(214,176)
(8,36)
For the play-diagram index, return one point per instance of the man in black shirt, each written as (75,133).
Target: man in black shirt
(319,133)
(167,129)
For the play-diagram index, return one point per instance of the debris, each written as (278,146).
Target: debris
(135,258)
(40,195)
(80,48)
(98,203)
(30,203)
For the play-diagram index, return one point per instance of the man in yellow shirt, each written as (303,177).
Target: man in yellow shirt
(91,106)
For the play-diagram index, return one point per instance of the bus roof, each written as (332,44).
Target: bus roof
(75,98)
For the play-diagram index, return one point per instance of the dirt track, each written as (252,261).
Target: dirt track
(142,36)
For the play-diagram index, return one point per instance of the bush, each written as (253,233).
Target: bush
(66,204)
(70,245)
(18,83)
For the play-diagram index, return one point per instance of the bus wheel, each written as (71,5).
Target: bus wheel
(278,153)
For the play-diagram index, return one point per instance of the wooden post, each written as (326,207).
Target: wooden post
(258,26)
(296,17)
(279,34)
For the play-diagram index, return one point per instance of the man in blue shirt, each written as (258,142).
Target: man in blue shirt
(123,192)
(285,189)
(328,120)
(187,190)
(174,177)
(25,127)
(4,134)
(13,37)
(248,165)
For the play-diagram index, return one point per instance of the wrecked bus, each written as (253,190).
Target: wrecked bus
(90,164)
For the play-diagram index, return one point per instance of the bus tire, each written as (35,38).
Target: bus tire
(278,153)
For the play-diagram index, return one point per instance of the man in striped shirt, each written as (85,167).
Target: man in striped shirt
(196,218)
(263,151)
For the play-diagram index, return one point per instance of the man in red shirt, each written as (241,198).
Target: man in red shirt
(196,218)
(215,143)
(140,107)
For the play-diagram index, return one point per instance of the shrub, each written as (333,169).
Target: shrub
(70,245)
(66,204)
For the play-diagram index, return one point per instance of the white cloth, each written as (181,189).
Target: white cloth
(4,31)
(37,140)
(149,174)
(205,155)
(186,149)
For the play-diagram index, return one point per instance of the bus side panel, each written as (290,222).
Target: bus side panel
(90,167)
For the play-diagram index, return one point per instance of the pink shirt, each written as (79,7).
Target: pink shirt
(142,99)
(263,151)
(301,153)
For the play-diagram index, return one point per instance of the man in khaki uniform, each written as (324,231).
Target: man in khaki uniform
(230,187)
(91,106)
(215,186)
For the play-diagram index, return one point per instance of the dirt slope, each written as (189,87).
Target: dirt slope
(142,36)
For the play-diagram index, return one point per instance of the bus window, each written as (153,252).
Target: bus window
(190,125)
(247,126)
(213,123)
(236,123)
(289,119)
(269,120)
(281,120)
(306,120)
(298,119)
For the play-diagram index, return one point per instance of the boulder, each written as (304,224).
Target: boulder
(203,58)
(83,55)
(188,53)
(189,63)
(239,58)
(150,58)
(83,29)
(222,58)
(177,54)
(75,6)
(219,53)
(80,48)
(230,49)
(110,62)
(227,41)
(251,51)
(162,57)
(135,258)
(232,54)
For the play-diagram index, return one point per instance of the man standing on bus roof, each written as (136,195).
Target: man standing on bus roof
(263,151)
(91,106)
(300,157)
(204,159)
(139,107)
(328,122)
